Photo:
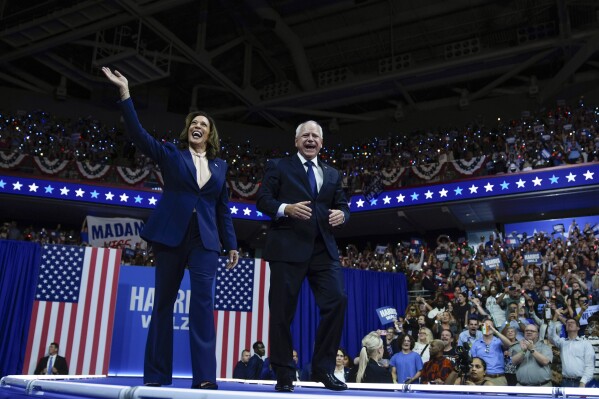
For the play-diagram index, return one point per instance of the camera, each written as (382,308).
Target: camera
(463,359)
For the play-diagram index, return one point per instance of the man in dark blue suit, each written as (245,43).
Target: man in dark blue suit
(256,362)
(57,365)
(304,198)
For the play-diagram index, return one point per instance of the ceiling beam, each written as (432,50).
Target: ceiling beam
(327,114)
(68,37)
(575,62)
(44,86)
(20,83)
(199,57)
(510,74)
(291,40)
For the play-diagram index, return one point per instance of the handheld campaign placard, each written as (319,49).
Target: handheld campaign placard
(387,314)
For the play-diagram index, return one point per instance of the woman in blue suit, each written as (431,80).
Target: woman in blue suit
(186,229)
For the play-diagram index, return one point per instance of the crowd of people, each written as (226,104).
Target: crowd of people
(527,352)
(527,324)
(521,309)
(547,339)
(563,135)
(524,323)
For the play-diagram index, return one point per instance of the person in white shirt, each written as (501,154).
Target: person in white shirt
(577,354)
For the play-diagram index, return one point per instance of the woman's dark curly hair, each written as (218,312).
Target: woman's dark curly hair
(213,142)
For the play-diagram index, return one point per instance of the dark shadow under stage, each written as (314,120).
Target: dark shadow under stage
(93,387)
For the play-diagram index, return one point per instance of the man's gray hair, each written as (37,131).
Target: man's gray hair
(299,128)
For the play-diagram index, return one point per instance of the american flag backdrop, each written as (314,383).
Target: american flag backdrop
(74,306)
(241,310)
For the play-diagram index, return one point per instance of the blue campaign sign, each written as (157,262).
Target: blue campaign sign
(387,314)
(134,305)
(493,263)
(533,258)
(554,228)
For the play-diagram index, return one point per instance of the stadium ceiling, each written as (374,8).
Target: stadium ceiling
(277,62)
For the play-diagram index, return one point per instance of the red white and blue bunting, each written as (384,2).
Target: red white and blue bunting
(391,175)
(428,171)
(132,176)
(244,190)
(469,167)
(92,171)
(50,167)
(8,161)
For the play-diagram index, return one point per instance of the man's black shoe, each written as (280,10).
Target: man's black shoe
(284,386)
(205,385)
(330,381)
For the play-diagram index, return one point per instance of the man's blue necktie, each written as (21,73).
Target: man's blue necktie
(311,178)
(50,365)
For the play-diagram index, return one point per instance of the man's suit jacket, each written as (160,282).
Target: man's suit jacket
(254,367)
(60,363)
(168,223)
(286,181)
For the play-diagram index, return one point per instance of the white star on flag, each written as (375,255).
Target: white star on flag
(33,187)
(124,197)
(386,200)
(537,181)
(473,189)
(488,187)
(247,211)
(400,198)
(64,191)
(234,210)
(17,186)
(443,192)
(109,196)
(79,192)
(360,203)
(588,175)
(152,200)
(428,194)
(571,177)
(520,183)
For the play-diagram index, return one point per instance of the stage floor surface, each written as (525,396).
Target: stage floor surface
(92,387)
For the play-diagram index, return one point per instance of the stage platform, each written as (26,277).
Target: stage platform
(93,387)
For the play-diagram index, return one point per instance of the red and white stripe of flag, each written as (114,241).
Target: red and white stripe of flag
(83,330)
(236,331)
